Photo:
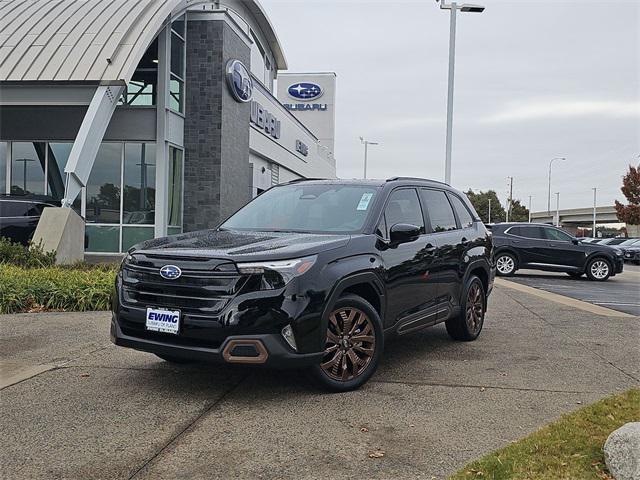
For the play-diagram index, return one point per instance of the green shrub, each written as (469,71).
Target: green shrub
(55,288)
(30,257)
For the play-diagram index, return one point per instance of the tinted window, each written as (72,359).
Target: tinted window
(554,234)
(515,231)
(466,220)
(440,212)
(404,207)
(18,209)
(531,232)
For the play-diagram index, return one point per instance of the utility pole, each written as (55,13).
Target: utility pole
(549,191)
(489,211)
(529,208)
(594,211)
(510,197)
(557,209)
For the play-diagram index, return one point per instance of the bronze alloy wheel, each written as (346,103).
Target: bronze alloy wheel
(351,341)
(475,308)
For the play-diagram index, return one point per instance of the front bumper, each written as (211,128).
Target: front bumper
(276,354)
(619,265)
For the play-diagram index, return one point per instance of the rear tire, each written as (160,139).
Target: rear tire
(353,345)
(173,359)
(506,264)
(468,324)
(599,269)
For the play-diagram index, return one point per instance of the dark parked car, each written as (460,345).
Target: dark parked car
(19,216)
(543,247)
(631,250)
(313,273)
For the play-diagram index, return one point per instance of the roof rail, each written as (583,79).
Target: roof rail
(393,179)
(296,180)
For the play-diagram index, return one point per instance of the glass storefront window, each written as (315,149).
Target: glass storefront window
(177,66)
(133,235)
(139,184)
(58,156)
(175,188)
(27,168)
(103,187)
(142,88)
(102,238)
(4,155)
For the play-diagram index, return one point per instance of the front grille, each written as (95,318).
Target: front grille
(196,292)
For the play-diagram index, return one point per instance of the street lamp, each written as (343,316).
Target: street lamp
(366,144)
(453,7)
(549,193)
(557,209)
(529,208)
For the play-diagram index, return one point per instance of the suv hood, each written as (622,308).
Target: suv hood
(242,245)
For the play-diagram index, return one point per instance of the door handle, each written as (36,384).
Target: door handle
(430,247)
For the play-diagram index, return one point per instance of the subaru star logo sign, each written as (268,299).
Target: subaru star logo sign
(170,272)
(305,91)
(239,81)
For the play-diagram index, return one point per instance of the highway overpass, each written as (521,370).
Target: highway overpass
(577,217)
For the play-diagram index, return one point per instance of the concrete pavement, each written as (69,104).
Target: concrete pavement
(98,411)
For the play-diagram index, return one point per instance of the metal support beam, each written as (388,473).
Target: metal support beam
(87,142)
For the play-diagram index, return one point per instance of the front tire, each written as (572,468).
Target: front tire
(506,264)
(599,269)
(353,345)
(468,324)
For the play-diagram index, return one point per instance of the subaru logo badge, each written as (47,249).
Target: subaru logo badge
(305,91)
(170,272)
(239,81)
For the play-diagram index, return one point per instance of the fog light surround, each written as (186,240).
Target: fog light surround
(287,334)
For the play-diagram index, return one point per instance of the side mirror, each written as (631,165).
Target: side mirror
(575,241)
(403,233)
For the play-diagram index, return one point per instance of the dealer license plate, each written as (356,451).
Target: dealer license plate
(165,321)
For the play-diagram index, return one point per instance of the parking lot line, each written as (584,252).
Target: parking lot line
(571,302)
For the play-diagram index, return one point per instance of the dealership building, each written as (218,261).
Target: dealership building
(153,117)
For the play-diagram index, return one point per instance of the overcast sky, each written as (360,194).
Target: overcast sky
(534,80)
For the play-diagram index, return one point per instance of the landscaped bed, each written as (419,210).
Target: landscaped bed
(30,282)
(570,448)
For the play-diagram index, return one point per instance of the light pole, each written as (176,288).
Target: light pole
(557,209)
(549,194)
(489,211)
(366,144)
(453,7)
(529,208)
(510,198)
(594,211)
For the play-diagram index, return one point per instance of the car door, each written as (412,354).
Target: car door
(411,293)
(560,250)
(529,242)
(448,238)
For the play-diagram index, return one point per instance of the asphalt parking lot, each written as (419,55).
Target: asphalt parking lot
(77,407)
(621,292)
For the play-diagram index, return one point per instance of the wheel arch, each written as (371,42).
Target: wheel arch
(481,270)
(509,250)
(364,284)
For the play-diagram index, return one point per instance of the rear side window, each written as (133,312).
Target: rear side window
(17,209)
(440,212)
(466,220)
(403,207)
(531,232)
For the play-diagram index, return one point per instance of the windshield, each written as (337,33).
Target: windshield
(308,208)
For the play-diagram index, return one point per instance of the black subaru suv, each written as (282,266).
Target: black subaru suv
(312,273)
(543,247)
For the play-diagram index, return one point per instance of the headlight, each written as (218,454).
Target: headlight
(284,270)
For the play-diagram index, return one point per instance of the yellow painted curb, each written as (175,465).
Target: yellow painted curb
(568,301)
